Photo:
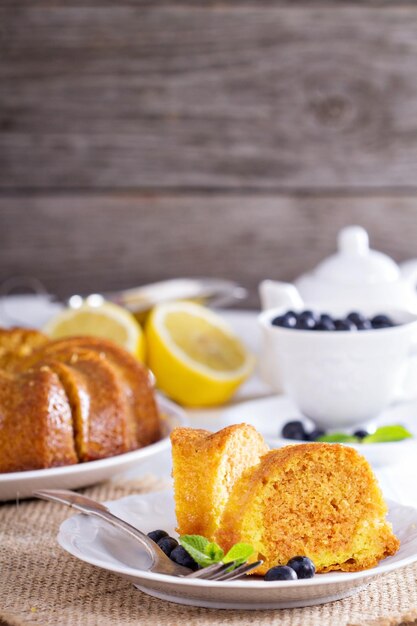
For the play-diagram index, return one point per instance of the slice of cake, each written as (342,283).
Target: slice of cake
(317,500)
(205,467)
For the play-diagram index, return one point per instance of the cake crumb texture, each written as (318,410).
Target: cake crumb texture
(317,500)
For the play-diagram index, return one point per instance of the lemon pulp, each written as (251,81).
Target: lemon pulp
(195,356)
(108,321)
(204,343)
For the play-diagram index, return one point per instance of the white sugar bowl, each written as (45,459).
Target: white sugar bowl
(355,277)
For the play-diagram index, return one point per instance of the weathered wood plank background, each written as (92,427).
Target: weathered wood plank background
(143,140)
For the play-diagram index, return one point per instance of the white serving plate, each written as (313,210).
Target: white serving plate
(94,542)
(268,416)
(19,485)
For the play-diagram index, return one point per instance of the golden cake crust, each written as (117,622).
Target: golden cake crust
(105,397)
(142,412)
(35,422)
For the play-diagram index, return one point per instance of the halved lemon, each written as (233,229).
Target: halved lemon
(195,356)
(106,320)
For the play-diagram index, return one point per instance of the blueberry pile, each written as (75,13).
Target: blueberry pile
(308,320)
(172,549)
(296,568)
(296,430)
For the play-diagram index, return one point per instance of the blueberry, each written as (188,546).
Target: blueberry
(302,566)
(315,434)
(292,314)
(156,535)
(307,320)
(167,544)
(382,321)
(344,325)
(181,556)
(360,434)
(288,320)
(294,430)
(305,323)
(280,572)
(278,321)
(364,325)
(356,318)
(325,317)
(325,325)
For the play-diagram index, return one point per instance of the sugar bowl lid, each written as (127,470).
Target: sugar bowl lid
(355,263)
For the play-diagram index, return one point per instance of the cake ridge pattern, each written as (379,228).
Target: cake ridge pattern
(70,400)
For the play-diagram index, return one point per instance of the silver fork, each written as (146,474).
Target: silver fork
(160,562)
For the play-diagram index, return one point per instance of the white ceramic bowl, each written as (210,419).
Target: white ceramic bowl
(339,379)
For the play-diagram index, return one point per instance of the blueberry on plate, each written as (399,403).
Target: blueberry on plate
(302,566)
(156,535)
(361,433)
(345,324)
(280,572)
(167,544)
(294,430)
(181,556)
(315,434)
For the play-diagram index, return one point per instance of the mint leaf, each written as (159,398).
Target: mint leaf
(388,433)
(206,552)
(214,552)
(338,438)
(196,546)
(239,553)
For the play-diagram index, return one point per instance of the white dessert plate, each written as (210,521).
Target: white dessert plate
(268,416)
(94,542)
(19,485)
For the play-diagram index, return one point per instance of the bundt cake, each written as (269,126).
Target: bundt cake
(317,500)
(205,468)
(70,400)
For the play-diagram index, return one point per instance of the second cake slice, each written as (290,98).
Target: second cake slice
(205,468)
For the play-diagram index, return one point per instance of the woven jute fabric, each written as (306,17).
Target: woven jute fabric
(42,585)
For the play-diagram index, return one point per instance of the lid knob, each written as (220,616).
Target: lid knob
(353,240)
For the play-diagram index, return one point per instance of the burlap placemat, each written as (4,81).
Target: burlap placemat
(42,585)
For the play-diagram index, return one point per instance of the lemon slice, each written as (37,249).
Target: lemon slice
(195,356)
(106,320)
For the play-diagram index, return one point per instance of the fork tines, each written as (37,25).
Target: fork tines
(219,571)
(211,571)
(239,571)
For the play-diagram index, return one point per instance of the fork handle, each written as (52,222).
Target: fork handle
(159,561)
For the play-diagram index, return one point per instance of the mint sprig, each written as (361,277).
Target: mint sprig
(206,552)
(200,549)
(383,434)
